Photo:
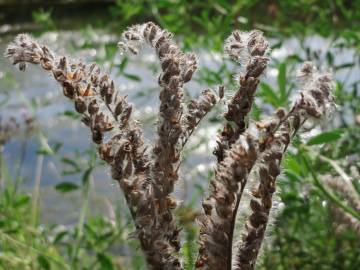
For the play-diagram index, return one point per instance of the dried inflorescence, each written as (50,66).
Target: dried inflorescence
(11,127)
(344,189)
(272,140)
(268,168)
(347,193)
(250,49)
(177,69)
(314,101)
(148,178)
(217,223)
(197,109)
(103,110)
(7,130)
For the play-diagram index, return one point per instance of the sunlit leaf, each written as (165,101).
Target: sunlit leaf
(326,137)
(70,114)
(269,95)
(22,200)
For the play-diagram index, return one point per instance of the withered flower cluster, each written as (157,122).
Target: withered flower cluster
(11,127)
(250,49)
(104,111)
(147,177)
(343,188)
(7,130)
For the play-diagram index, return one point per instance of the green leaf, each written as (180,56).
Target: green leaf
(66,187)
(105,262)
(90,232)
(110,50)
(4,169)
(292,164)
(269,95)
(293,176)
(59,236)
(123,64)
(326,137)
(342,66)
(57,146)
(86,175)
(282,81)
(70,114)
(24,199)
(71,163)
(43,262)
(132,77)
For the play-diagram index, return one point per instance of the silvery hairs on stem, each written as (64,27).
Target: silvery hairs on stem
(250,49)
(175,124)
(177,69)
(262,147)
(314,101)
(217,225)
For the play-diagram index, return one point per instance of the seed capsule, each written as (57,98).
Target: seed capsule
(221,91)
(46,65)
(59,75)
(80,105)
(119,108)
(93,107)
(97,136)
(68,89)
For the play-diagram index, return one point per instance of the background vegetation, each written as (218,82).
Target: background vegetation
(77,220)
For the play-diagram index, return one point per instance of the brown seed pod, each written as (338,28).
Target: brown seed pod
(118,108)
(68,89)
(171,202)
(105,153)
(46,64)
(93,107)
(59,75)
(80,105)
(280,113)
(97,136)
(255,206)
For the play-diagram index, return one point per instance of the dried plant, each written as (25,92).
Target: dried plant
(147,174)
(7,130)
(11,127)
(344,189)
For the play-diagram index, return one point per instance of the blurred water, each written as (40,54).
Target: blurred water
(40,87)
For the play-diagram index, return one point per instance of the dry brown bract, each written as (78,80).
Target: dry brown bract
(147,174)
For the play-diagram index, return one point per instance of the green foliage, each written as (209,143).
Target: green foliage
(66,187)
(43,19)
(305,236)
(216,19)
(326,137)
(24,246)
